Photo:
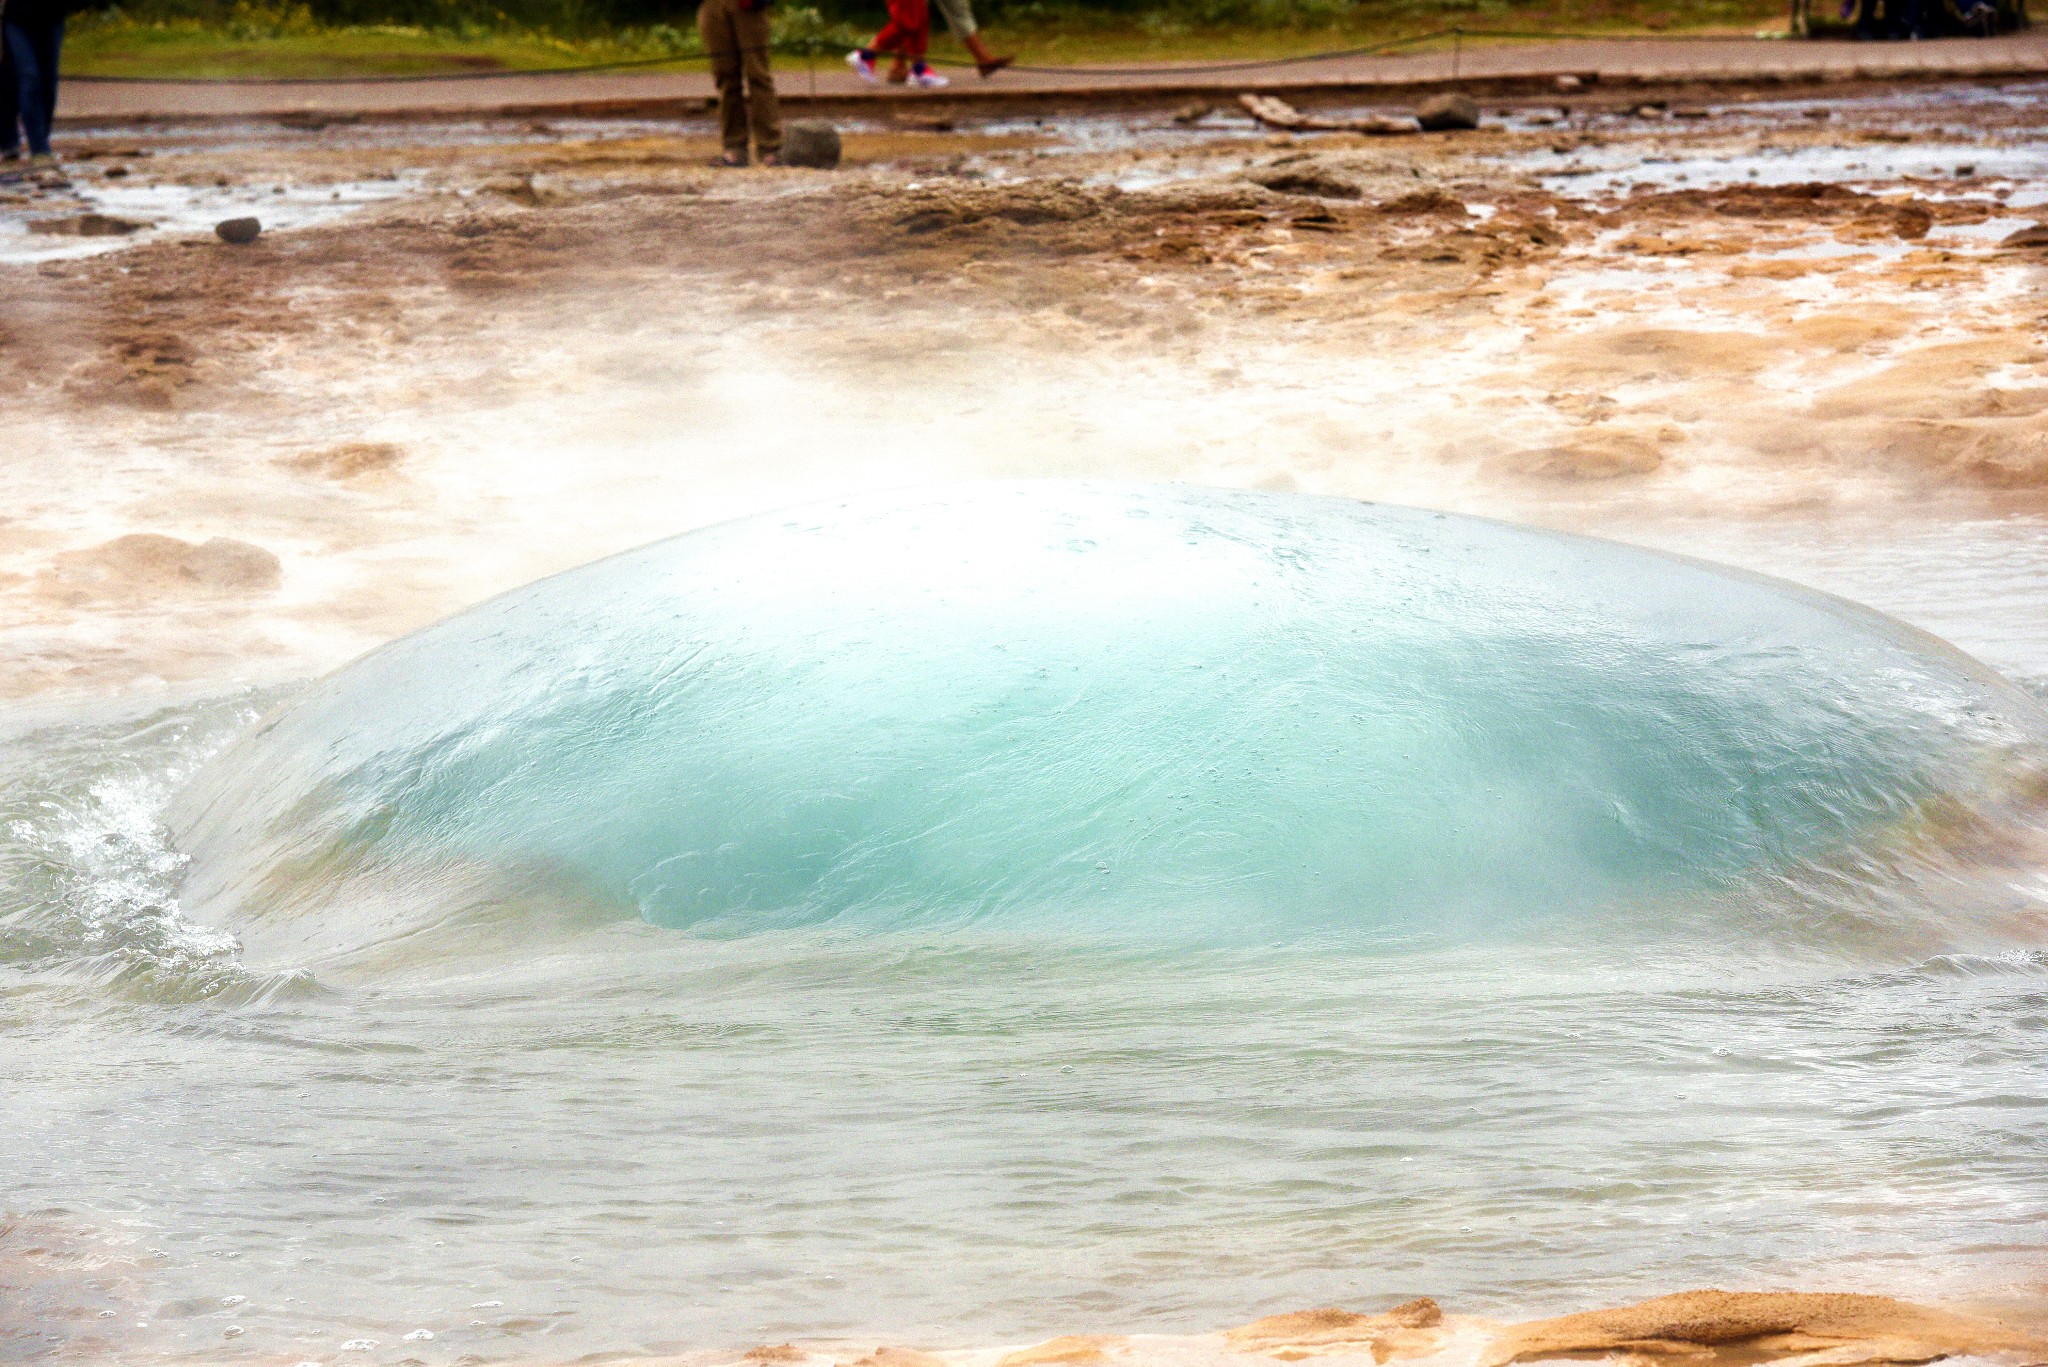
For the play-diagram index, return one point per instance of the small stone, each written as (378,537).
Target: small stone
(1568,83)
(1193,112)
(1447,112)
(811,142)
(240,231)
(115,172)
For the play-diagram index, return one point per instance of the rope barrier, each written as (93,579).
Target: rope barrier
(819,48)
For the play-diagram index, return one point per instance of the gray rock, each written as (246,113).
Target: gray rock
(1448,111)
(1303,176)
(240,231)
(810,142)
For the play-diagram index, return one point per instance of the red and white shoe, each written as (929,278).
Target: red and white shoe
(928,79)
(863,66)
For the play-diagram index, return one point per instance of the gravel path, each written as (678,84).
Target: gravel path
(1499,69)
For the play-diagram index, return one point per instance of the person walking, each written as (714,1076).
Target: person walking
(33,34)
(959,16)
(907,34)
(736,37)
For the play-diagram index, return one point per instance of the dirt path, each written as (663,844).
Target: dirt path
(1495,69)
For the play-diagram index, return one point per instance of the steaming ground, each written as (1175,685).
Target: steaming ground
(541,346)
(476,355)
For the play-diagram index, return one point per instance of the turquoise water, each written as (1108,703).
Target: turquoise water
(1124,711)
(353,1041)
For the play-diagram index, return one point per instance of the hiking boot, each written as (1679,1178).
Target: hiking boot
(992,66)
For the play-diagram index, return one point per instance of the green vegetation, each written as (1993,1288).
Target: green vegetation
(315,38)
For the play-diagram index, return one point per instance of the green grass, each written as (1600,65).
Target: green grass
(121,46)
(290,42)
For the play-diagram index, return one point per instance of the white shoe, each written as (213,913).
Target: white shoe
(863,66)
(928,79)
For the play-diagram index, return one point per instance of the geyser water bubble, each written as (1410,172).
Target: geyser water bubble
(1099,708)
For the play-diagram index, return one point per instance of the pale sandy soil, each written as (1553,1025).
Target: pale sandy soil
(1697,1328)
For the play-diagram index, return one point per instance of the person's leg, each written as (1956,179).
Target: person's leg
(959,15)
(10,106)
(28,85)
(912,20)
(764,110)
(916,17)
(890,39)
(49,48)
(722,45)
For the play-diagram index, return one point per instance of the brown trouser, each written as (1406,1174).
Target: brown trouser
(737,40)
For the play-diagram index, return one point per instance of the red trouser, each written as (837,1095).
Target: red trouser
(909,30)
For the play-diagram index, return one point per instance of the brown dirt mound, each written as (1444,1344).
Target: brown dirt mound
(1764,1326)
(1068,1348)
(146,565)
(1408,1329)
(350,460)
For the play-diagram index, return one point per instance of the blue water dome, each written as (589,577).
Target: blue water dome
(1119,710)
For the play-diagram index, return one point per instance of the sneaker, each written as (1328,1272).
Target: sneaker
(928,79)
(862,64)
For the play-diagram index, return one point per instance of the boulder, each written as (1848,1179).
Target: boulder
(1446,112)
(240,231)
(810,142)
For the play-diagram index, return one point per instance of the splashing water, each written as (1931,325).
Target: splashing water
(1778,1026)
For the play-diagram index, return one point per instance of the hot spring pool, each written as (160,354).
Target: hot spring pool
(984,913)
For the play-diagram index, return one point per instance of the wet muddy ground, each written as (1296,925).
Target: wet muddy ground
(463,356)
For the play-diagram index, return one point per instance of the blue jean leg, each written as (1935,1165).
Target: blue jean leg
(32,50)
(10,103)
